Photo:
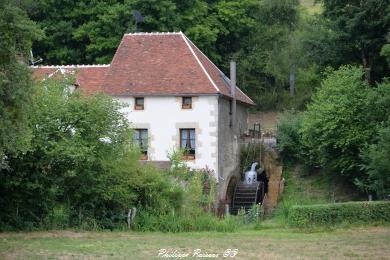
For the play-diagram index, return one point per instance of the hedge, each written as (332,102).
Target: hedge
(339,213)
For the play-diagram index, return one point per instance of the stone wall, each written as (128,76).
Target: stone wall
(275,180)
(229,143)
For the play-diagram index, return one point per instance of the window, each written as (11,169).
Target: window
(187,103)
(139,103)
(187,143)
(141,139)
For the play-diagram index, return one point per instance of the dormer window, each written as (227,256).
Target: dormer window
(139,103)
(186,103)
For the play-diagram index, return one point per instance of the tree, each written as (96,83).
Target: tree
(288,136)
(363,26)
(337,125)
(376,166)
(264,64)
(16,33)
(375,156)
(82,160)
(385,52)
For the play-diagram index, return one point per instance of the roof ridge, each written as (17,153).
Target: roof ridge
(200,63)
(215,66)
(71,66)
(153,33)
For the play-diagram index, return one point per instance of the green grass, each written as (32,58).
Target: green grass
(312,8)
(308,188)
(271,243)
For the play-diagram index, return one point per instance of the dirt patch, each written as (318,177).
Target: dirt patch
(267,120)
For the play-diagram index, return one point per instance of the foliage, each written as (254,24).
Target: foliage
(340,128)
(17,32)
(300,189)
(385,52)
(263,64)
(288,136)
(339,213)
(336,126)
(197,207)
(81,160)
(362,27)
(278,45)
(265,37)
(254,215)
(176,222)
(377,165)
(375,154)
(96,27)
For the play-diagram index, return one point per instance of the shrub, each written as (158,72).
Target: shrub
(376,155)
(289,140)
(177,222)
(339,213)
(335,126)
(194,211)
(377,165)
(81,169)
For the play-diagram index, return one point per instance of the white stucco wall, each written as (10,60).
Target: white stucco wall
(164,116)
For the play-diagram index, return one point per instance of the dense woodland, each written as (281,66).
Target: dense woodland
(279,45)
(328,64)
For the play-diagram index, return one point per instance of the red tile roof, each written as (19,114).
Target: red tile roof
(218,77)
(89,78)
(154,64)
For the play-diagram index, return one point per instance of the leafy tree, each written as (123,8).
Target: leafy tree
(16,35)
(385,52)
(288,136)
(336,125)
(81,159)
(375,155)
(377,165)
(363,26)
(258,34)
(264,66)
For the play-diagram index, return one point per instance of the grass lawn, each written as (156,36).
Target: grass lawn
(273,243)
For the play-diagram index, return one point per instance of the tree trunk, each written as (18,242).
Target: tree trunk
(367,65)
(292,80)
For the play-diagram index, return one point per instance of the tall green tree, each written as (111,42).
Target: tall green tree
(81,160)
(376,166)
(336,126)
(264,64)
(17,32)
(363,26)
(376,154)
(90,31)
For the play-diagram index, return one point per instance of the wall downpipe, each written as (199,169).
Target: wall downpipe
(233,91)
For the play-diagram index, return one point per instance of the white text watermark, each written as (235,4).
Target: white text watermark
(196,253)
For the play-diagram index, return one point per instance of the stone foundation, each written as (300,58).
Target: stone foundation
(275,181)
